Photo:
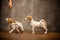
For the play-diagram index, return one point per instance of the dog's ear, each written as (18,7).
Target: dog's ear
(29,17)
(10,20)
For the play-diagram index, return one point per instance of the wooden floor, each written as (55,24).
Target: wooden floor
(27,36)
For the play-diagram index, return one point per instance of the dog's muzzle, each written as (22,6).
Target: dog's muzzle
(6,19)
(25,18)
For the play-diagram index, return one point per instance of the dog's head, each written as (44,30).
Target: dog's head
(10,20)
(28,18)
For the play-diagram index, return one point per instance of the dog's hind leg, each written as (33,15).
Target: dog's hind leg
(22,28)
(45,28)
(18,30)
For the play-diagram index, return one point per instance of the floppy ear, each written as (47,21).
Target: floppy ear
(10,20)
(29,17)
(14,21)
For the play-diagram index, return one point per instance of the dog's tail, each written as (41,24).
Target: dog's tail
(43,21)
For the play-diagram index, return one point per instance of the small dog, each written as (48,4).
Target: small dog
(14,24)
(42,23)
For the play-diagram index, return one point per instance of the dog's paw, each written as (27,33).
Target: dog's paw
(45,32)
(9,32)
(23,30)
(33,32)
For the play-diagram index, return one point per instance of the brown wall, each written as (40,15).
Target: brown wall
(47,9)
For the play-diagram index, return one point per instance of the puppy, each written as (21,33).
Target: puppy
(42,23)
(14,24)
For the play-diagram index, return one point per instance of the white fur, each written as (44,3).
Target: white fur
(42,23)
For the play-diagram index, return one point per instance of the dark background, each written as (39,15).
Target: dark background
(46,9)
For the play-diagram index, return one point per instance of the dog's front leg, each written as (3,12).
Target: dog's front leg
(11,30)
(45,28)
(33,30)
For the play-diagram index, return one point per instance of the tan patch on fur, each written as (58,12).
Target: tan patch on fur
(44,23)
(29,17)
(10,20)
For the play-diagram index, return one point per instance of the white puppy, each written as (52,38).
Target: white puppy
(42,23)
(14,24)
